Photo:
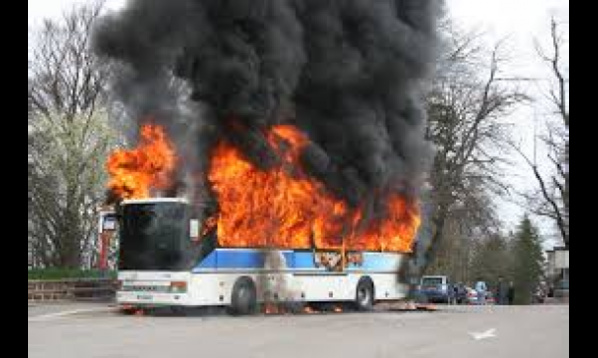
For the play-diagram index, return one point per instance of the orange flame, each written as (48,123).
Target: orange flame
(134,173)
(271,308)
(282,207)
(309,310)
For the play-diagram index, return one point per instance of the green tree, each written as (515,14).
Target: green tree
(528,261)
(491,260)
(66,186)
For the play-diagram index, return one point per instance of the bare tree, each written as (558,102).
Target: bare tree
(551,199)
(69,136)
(466,111)
(469,224)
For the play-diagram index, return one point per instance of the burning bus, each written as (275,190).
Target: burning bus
(162,263)
(281,148)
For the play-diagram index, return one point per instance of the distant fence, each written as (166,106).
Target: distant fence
(72,289)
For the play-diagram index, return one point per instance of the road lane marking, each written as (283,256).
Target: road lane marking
(491,333)
(48,316)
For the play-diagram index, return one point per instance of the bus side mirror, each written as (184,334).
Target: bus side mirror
(194,230)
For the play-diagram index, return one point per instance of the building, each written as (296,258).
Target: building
(558,265)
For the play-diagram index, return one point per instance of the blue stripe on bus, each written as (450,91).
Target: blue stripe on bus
(304,260)
(255,258)
(378,261)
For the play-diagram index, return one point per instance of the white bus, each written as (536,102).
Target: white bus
(163,261)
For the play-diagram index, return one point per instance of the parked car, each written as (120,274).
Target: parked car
(562,289)
(481,286)
(436,289)
(472,296)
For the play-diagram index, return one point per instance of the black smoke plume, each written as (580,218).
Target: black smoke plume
(349,73)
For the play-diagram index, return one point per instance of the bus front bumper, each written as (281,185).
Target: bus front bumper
(152,298)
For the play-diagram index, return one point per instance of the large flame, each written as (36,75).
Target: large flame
(283,207)
(135,173)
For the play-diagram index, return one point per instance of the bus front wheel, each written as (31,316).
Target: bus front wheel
(244,298)
(364,300)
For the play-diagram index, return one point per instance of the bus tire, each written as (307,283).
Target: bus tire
(244,297)
(364,296)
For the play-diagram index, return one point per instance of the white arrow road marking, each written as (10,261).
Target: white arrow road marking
(483,335)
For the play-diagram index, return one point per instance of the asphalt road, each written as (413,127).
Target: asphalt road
(93,330)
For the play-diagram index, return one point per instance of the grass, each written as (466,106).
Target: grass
(63,273)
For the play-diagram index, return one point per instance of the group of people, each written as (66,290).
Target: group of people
(505,292)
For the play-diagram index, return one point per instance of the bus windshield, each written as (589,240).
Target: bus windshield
(154,236)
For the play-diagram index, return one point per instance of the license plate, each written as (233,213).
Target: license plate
(144,297)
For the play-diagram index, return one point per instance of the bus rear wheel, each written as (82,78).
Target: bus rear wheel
(364,300)
(244,297)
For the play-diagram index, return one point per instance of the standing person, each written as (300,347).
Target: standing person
(511,293)
(455,294)
(460,295)
(502,291)
(481,290)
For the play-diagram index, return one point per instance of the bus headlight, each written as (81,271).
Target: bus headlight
(178,287)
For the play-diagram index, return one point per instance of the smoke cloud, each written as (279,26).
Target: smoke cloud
(349,73)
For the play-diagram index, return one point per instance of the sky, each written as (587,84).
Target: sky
(520,21)
(40,9)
